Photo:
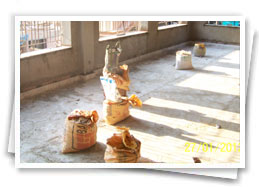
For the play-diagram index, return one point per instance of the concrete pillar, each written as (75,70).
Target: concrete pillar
(66,29)
(88,45)
(152,36)
(143,26)
(96,42)
(182,22)
(196,27)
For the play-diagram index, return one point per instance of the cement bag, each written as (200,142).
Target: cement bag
(124,85)
(121,79)
(114,85)
(199,49)
(112,69)
(110,89)
(122,147)
(112,55)
(80,132)
(114,112)
(183,60)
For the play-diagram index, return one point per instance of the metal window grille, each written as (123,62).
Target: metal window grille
(107,28)
(166,23)
(36,35)
(214,22)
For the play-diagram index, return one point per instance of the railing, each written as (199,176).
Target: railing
(36,35)
(107,28)
(166,23)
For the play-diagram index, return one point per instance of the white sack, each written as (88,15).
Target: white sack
(183,60)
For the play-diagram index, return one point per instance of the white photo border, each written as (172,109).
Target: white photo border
(18,164)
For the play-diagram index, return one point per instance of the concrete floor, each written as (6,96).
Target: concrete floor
(178,107)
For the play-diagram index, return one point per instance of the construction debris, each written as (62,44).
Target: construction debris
(115,82)
(196,160)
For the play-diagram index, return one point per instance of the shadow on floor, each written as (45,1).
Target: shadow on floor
(204,98)
(227,65)
(198,70)
(94,154)
(157,129)
(191,115)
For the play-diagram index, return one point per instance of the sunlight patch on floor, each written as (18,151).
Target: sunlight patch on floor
(205,111)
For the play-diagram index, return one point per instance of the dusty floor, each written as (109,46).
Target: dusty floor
(179,107)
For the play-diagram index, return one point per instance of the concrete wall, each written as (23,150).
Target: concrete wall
(225,34)
(137,45)
(39,70)
(87,52)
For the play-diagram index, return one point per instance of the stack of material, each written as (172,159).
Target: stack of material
(115,82)
(112,69)
(122,147)
(199,49)
(80,132)
(183,60)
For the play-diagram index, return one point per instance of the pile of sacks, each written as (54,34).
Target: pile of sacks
(115,82)
(81,134)
(81,129)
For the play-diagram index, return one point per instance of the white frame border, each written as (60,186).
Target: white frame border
(129,18)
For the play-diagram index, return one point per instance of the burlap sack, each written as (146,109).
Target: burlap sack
(122,148)
(114,112)
(121,78)
(80,132)
(124,85)
(199,49)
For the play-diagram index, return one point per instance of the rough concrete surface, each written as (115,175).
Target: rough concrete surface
(179,107)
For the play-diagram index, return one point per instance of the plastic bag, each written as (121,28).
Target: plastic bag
(135,101)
